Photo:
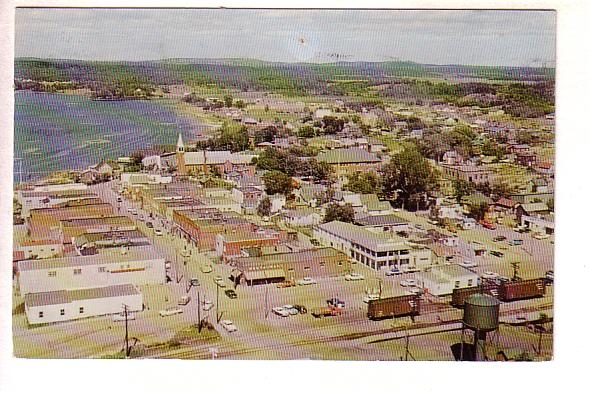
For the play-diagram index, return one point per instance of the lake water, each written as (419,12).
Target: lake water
(54,132)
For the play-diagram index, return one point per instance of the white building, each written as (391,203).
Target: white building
(131,179)
(57,306)
(301,217)
(43,199)
(441,280)
(137,265)
(376,250)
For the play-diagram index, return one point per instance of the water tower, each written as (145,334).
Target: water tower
(480,315)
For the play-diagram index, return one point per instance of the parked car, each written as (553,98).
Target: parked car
(132,211)
(432,222)
(497,253)
(158,232)
(194,282)
(487,225)
(467,264)
(206,268)
(184,300)
(515,242)
(549,276)
(290,309)
(499,238)
(230,293)
(370,297)
(520,229)
(415,291)
(119,199)
(354,277)
(314,242)
(306,281)
(219,281)
(149,224)
(489,275)
(168,265)
(300,308)
(393,272)
(280,311)
(286,284)
(408,283)
(120,317)
(170,311)
(207,305)
(410,269)
(541,236)
(336,302)
(228,325)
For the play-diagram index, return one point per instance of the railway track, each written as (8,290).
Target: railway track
(193,353)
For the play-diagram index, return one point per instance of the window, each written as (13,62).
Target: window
(62,312)
(457,283)
(52,273)
(470,282)
(101,269)
(40,314)
(81,310)
(306,268)
(322,264)
(77,271)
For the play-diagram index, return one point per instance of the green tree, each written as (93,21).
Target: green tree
(239,104)
(306,132)
(337,212)
(409,175)
(462,188)
(228,100)
(264,207)
(364,183)
(276,182)
(321,171)
(478,211)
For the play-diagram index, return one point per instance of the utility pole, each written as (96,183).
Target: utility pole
(217,301)
(126,332)
(199,326)
(266,301)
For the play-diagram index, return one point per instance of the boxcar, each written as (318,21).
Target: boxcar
(394,307)
(525,289)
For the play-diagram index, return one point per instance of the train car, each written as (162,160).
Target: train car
(524,289)
(460,294)
(392,307)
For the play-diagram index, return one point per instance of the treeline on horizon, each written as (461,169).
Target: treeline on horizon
(520,91)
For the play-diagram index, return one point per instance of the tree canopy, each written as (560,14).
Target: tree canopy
(276,182)
(337,212)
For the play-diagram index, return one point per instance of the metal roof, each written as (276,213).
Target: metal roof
(62,297)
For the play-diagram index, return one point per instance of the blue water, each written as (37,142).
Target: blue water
(54,132)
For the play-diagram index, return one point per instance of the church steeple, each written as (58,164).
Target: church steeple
(180,143)
(180,164)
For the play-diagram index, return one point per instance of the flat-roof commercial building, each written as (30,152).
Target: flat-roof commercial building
(66,305)
(376,250)
(319,262)
(231,245)
(45,223)
(202,227)
(383,223)
(71,228)
(44,199)
(115,266)
(442,280)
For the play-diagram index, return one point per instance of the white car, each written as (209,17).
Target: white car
(280,311)
(120,317)
(306,281)
(370,297)
(170,311)
(132,211)
(541,236)
(354,277)
(290,309)
(228,325)
(408,283)
(489,275)
(467,264)
(207,305)
(219,281)
(158,232)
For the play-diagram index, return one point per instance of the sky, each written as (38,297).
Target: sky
(494,38)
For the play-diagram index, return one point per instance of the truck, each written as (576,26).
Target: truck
(329,311)
(392,307)
(524,289)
